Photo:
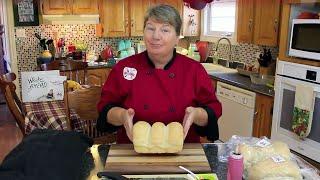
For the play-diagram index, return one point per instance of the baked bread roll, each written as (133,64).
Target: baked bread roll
(254,154)
(271,170)
(157,138)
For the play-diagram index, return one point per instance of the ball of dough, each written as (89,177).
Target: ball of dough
(254,154)
(157,138)
(269,169)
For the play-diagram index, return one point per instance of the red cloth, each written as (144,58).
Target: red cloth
(157,94)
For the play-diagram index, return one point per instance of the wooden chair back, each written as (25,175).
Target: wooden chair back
(74,70)
(84,103)
(8,89)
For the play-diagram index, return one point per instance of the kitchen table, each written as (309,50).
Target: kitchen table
(49,115)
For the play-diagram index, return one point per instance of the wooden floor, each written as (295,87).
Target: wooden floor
(10,134)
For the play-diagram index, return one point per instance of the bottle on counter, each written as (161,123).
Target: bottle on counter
(235,166)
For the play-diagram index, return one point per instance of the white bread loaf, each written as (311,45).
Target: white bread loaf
(255,154)
(268,169)
(158,138)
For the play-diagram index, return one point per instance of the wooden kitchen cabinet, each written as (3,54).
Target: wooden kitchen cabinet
(138,8)
(114,18)
(245,21)
(97,76)
(174,3)
(55,7)
(128,17)
(191,21)
(263,116)
(258,21)
(67,7)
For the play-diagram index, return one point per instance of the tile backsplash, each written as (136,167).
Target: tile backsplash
(242,52)
(28,48)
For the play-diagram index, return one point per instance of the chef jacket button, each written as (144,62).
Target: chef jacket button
(171,109)
(146,107)
(149,72)
(171,75)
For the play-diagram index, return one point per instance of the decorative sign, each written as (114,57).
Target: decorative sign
(40,86)
(25,13)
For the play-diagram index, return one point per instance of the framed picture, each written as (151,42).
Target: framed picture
(25,12)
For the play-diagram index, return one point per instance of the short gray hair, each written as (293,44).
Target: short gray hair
(165,14)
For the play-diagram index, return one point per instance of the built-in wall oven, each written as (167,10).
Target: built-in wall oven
(288,76)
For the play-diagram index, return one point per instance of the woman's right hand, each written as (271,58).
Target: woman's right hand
(128,115)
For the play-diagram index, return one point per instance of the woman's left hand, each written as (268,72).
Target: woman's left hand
(188,119)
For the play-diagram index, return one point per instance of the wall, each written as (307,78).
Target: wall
(28,48)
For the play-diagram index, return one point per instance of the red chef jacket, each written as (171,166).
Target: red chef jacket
(159,94)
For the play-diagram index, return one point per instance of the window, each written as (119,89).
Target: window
(219,18)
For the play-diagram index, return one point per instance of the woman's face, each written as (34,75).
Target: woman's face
(160,38)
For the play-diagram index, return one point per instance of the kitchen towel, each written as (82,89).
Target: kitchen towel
(303,110)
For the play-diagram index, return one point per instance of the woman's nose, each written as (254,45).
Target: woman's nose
(156,34)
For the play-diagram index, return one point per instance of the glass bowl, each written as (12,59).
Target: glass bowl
(261,79)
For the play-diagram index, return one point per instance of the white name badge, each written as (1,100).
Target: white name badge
(129,73)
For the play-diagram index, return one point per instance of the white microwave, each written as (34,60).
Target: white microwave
(305,39)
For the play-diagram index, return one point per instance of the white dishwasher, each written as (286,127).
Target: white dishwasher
(237,111)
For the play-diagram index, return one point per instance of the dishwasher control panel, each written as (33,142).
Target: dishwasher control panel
(241,96)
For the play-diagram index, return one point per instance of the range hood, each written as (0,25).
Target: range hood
(70,19)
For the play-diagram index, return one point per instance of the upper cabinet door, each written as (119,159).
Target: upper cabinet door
(138,9)
(245,21)
(266,22)
(85,7)
(190,21)
(174,3)
(55,7)
(115,18)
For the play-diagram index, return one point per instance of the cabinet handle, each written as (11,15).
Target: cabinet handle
(275,25)
(132,23)
(255,115)
(250,25)
(126,22)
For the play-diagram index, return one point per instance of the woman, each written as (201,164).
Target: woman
(159,85)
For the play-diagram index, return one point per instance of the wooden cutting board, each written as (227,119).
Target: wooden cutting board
(124,160)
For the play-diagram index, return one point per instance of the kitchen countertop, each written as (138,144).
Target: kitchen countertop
(242,82)
(94,160)
(229,78)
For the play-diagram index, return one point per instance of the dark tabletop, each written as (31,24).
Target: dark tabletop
(242,82)
(95,158)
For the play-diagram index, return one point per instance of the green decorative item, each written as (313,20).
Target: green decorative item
(300,121)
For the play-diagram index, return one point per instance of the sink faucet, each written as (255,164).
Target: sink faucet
(229,42)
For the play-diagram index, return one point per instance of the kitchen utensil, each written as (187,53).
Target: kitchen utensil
(194,176)
(123,159)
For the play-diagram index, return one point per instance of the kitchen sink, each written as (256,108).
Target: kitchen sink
(216,68)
